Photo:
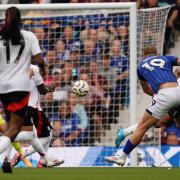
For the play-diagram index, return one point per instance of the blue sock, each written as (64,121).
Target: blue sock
(128,147)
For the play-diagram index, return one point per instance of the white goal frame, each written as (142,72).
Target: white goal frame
(133,41)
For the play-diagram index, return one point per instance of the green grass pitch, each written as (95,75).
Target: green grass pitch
(93,174)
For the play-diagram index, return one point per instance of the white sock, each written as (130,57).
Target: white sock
(30,150)
(5,142)
(24,136)
(45,142)
(130,130)
(36,144)
(5,146)
(7,152)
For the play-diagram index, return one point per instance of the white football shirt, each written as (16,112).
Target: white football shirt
(36,80)
(14,76)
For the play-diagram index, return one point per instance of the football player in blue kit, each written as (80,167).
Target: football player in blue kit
(158,80)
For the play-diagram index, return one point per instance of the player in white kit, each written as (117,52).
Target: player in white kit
(42,137)
(17,49)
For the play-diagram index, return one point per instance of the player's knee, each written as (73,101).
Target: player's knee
(14,129)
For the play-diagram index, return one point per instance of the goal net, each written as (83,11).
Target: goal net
(95,43)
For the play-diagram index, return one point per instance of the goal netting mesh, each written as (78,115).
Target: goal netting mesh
(92,45)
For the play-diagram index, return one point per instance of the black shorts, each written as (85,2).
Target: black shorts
(15,102)
(40,121)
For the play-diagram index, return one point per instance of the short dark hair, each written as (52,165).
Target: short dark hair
(11,28)
(105,56)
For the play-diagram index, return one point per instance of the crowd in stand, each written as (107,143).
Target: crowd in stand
(93,48)
(94,54)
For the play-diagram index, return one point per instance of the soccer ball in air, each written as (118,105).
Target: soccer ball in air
(80,88)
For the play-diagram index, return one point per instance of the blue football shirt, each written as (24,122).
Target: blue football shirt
(157,70)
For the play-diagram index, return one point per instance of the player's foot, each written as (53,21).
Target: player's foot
(15,160)
(119,137)
(40,165)
(27,162)
(6,167)
(116,159)
(48,162)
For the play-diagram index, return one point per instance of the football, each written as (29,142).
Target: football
(80,88)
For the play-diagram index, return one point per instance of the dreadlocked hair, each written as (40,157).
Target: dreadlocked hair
(11,28)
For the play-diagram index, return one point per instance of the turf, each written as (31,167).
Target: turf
(93,174)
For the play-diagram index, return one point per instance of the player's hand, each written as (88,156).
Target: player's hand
(50,88)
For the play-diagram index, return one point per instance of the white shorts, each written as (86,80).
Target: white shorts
(163,101)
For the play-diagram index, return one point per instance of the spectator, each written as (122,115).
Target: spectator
(172,139)
(103,36)
(68,36)
(79,109)
(171,133)
(67,75)
(75,61)
(139,4)
(172,23)
(50,107)
(54,33)
(69,126)
(74,56)
(56,141)
(111,29)
(89,52)
(110,73)
(124,37)
(97,80)
(59,94)
(150,4)
(121,63)
(93,35)
(41,36)
(93,103)
(61,53)
(50,60)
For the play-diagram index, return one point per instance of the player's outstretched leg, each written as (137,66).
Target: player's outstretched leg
(123,133)
(17,156)
(146,123)
(37,146)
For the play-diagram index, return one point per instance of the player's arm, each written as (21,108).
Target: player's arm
(37,59)
(36,54)
(146,88)
(45,89)
(172,18)
(37,77)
